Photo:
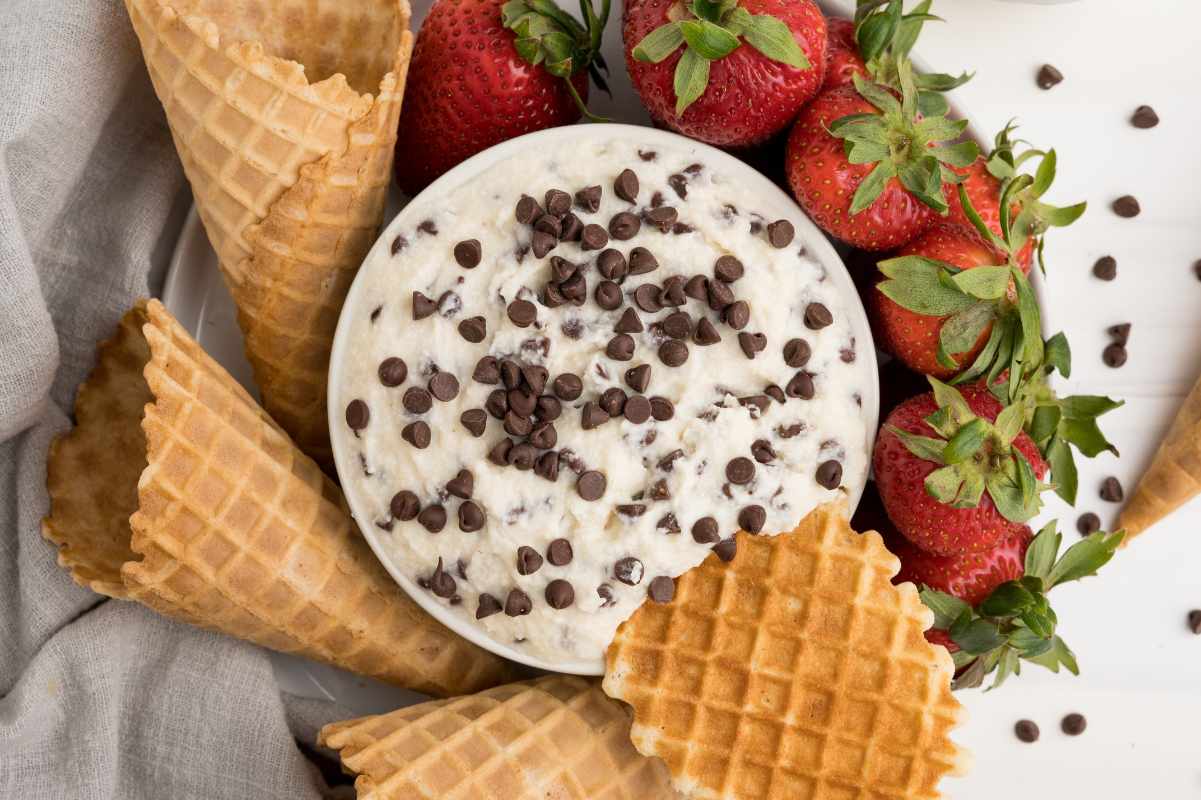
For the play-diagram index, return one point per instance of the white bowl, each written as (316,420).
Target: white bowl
(773,201)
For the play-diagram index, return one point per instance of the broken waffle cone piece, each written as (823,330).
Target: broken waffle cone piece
(556,737)
(1174,476)
(176,490)
(796,671)
(285,121)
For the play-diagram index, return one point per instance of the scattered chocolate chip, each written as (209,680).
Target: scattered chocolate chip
(589,198)
(751,343)
(1126,206)
(611,264)
(663,218)
(673,292)
(624,226)
(462,484)
(626,185)
(773,391)
(1048,76)
(357,415)
(522,313)
(518,604)
(790,431)
(404,505)
(1197,269)
(608,295)
(497,403)
(591,485)
(423,306)
(471,517)
(559,594)
(547,466)
(417,434)
(557,202)
(432,518)
(1106,268)
(704,530)
(473,329)
(475,420)
(523,455)
(697,287)
(428,226)
(528,560)
(677,325)
(1144,117)
(1026,731)
(628,570)
(488,605)
(441,584)
(662,589)
(559,552)
(642,261)
(527,210)
(706,334)
(647,155)
(1114,355)
(726,549)
(752,518)
(567,386)
(1120,332)
(740,470)
(1073,724)
(542,243)
(575,289)
(548,408)
(468,253)
(417,400)
(728,269)
(817,316)
(486,371)
(593,237)
(573,229)
(1194,621)
(1111,490)
(444,386)
(737,314)
(801,386)
(620,347)
(720,295)
(551,296)
(673,353)
(510,373)
(648,297)
(613,401)
(829,474)
(638,378)
(797,353)
(662,409)
(780,233)
(398,244)
(534,377)
(499,454)
(449,304)
(544,436)
(637,409)
(393,371)
(561,269)
(592,416)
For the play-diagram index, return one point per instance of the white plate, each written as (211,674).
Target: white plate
(1141,681)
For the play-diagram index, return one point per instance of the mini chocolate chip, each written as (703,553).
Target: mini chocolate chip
(523,455)
(551,296)
(398,244)
(797,353)
(631,509)
(637,409)
(1120,332)
(393,371)
(620,347)
(737,314)
(475,420)
(720,295)
(499,454)
(668,523)
(468,253)
(573,228)
(752,518)
(1144,117)
(1111,490)
(697,287)
(704,530)
(417,434)
(752,343)
(790,431)
(775,392)
(624,226)
(528,560)
(441,584)
(1048,76)
(662,409)
(626,185)
(471,517)
(740,470)
(522,313)
(1194,621)
(357,415)
(404,505)
(667,463)
(762,450)
(706,334)
(592,416)
(613,401)
(591,485)
(473,329)
(647,155)
(423,306)
(527,210)
(510,373)
(432,518)
(589,198)
(1088,523)
(726,549)
(486,371)
(575,289)
(673,353)
(628,570)
(638,378)
(461,485)
(548,408)
(1106,268)
(567,386)
(557,202)
(497,403)
(559,553)
(1114,355)
(611,264)
(847,354)
(662,589)
(561,269)
(829,474)
(1025,730)
(417,400)
(559,594)
(534,377)
(544,436)
(547,466)
(444,386)
(1073,724)
(801,386)
(817,316)
(518,604)
(673,292)
(1126,206)
(488,605)
(780,233)
(728,269)
(663,218)
(549,224)
(677,325)
(593,237)
(629,322)
(542,243)
(608,295)
(648,297)
(642,261)
(428,226)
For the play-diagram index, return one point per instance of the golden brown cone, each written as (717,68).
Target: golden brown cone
(1174,476)
(176,490)
(285,122)
(557,737)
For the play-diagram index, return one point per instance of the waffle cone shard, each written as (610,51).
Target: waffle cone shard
(285,122)
(176,490)
(557,737)
(1174,476)
(797,671)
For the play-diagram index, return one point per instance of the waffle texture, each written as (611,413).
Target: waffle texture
(284,114)
(796,671)
(1174,476)
(176,490)
(557,737)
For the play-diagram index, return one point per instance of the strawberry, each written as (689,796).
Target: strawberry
(842,54)
(868,168)
(940,637)
(972,484)
(728,72)
(972,576)
(484,71)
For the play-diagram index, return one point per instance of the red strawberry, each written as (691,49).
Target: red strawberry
(984,194)
(972,576)
(480,76)
(842,54)
(728,74)
(955,471)
(941,637)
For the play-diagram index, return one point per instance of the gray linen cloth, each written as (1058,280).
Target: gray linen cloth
(101,699)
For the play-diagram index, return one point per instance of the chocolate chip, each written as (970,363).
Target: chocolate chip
(499,454)
(432,518)
(1106,268)
(510,373)
(551,296)
(637,409)
(662,589)
(681,228)
(1197,268)
(593,237)
(638,378)
(642,261)
(780,233)
(428,226)
(677,325)
(404,505)
(557,202)
(444,386)
(1194,621)
(752,518)
(752,343)
(697,287)
(673,353)
(1073,724)
(611,264)
(544,436)
(497,403)
(629,321)
(559,594)
(624,225)
(1111,490)
(522,313)
(797,353)
(762,450)
(662,409)
(589,198)
(673,292)
(592,416)
(559,553)
(704,530)
(549,224)
(737,314)
(528,560)
(591,485)
(720,295)
(1126,206)
(473,329)
(567,386)
(575,289)
(462,484)
(1114,355)
(542,243)
(527,210)
(728,269)
(628,570)
(1144,117)
(626,185)
(801,386)
(417,434)
(518,604)
(772,391)
(620,347)
(357,415)
(726,549)
(441,584)
(790,431)
(1120,332)
(423,306)
(648,297)
(829,474)
(534,377)
(613,401)
(393,371)
(647,155)
(740,470)
(468,253)
(1026,730)
(608,295)
(561,269)
(1088,523)
(573,229)
(548,408)
(847,355)
(449,304)
(471,517)
(488,605)
(1048,76)
(817,316)
(523,455)
(398,244)
(668,523)
(486,371)
(663,218)
(706,334)
(417,400)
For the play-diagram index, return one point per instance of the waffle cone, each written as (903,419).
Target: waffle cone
(284,115)
(557,737)
(176,490)
(1174,476)
(797,671)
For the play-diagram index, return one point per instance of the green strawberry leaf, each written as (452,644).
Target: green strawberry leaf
(1058,354)
(1085,557)
(977,635)
(985,283)
(707,40)
(1058,654)
(1009,423)
(915,283)
(947,608)
(872,186)
(1006,600)
(691,79)
(774,39)
(923,447)
(966,442)
(1043,549)
(659,43)
(1063,469)
(962,330)
(944,484)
